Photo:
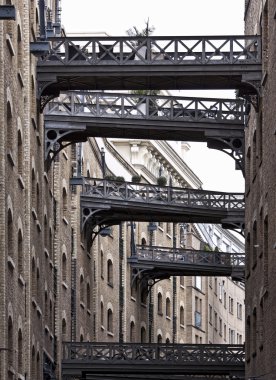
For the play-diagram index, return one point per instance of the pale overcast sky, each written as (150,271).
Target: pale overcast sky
(170,18)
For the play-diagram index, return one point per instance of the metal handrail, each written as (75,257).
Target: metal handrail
(166,195)
(131,106)
(198,50)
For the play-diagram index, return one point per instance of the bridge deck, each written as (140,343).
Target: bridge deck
(78,115)
(125,63)
(110,202)
(154,359)
(168,261)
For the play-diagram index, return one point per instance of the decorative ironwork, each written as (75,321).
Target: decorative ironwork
(123,63)
(130,106)
(78,115)
(105,203)
(95,188)
(126,358)
(162,262)
(199,50)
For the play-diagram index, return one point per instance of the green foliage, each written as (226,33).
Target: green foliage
(162,181)
(119,179)
(109,177)
(136,178)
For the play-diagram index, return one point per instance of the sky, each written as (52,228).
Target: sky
(170,18)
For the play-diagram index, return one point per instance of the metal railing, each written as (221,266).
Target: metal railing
(165,195)
(131,106)
(191,354)
(196,50)
(187,256)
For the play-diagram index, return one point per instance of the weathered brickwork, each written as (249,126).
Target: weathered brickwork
(54,286)
(260,201)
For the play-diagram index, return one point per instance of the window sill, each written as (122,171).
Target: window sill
(110,333)
(21,280)
(64,285)
(82,305)
(20,78)
(65,221)
(10,45)
(10,158)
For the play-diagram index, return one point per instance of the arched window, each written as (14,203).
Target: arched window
(88,296)
(33,365)
(64,328)
(102,264)
(38,209)
(143,335)
(81,338)
(168,341)
(38,369)
(20,352)
(160,304)
(10,342)
(168,307)
(9,126)
(110,272)
(143,241)
(34,288)
(20,253)
(10,234)
(64,267)
(45,230)
(102,314)
(159,338)
(33,188)
(46,312)
(20,157)
(109,320)
(81,288)
(64,201)
(132,332)
(181,315)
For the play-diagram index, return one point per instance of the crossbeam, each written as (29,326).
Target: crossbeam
(106,202)
(157,262)
(143,358)
(75,116)
(122,63)
(78,115)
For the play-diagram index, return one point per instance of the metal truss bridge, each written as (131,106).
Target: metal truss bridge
(105,202)
(155,262)
(75,116)
(129,63)
(155,361)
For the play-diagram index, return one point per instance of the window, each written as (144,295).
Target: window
(102,264)
(216,286)
(132,332)
(10,342)
(102,314)
(20,253)
(20,352)
(19,153)
(181,280)
(160,304)
(198,309)
(231,305)
(220,326)
(210,314)
(198,282)
(143,335)
(63,327)
(88,296)
(81,289)
(168,308)
(215,320)
(239,310)
(110,320)
(232,336)
(110,272)
(10,233)
(64,267)
(181,316)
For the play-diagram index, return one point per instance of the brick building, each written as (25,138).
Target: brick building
(260,201)
(54,286)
